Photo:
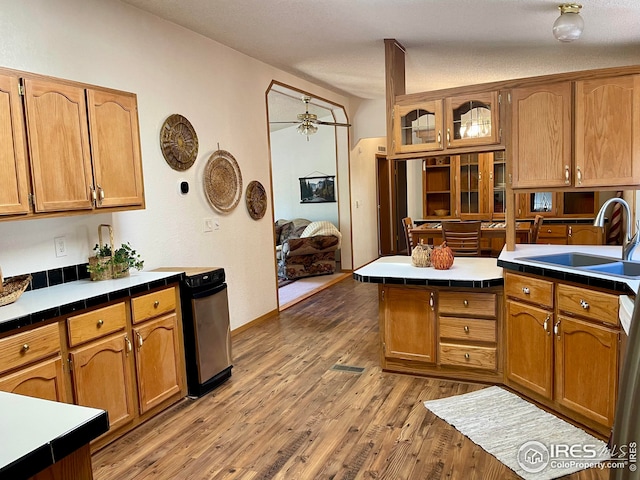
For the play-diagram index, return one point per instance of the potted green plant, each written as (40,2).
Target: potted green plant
(113,263)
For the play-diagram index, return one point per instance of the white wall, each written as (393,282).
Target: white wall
(293,157)
(172,70)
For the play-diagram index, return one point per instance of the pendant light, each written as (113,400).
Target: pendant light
(569,25)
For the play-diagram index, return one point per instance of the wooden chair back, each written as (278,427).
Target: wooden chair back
(535,229)
(407,223)
(463,237)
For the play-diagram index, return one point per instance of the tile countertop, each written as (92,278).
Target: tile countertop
(42,304)
(474,272)
(37,433)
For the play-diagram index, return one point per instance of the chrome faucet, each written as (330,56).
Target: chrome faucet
(630,243)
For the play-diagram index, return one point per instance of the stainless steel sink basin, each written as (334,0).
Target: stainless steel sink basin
(621,268)
(571,259)
(585,262)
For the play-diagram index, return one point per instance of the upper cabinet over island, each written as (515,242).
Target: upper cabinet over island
(74,148)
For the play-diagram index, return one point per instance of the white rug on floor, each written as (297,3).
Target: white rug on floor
(524,437)
(303,287)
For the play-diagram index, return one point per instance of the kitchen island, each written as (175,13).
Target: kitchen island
(47,439)
(444,323)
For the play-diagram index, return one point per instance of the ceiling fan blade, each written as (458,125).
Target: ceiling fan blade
(335,124)
(292,121)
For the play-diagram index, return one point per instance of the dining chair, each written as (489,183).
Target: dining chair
(407,224)
(463,237)
(535,229)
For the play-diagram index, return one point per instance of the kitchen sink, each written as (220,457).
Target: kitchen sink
(586,262)
(571,259)
(621,268)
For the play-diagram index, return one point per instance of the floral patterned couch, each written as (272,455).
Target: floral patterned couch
(305,248)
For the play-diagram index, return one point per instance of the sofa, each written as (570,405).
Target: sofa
(305,248)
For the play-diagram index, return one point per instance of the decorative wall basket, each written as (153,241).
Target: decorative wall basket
(222,181)
(256,198)
(178,142)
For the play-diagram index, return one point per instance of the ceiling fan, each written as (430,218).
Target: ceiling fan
(308,121)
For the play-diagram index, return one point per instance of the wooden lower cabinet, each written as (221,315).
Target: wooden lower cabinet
(102,378)
(564,355)
(157,360)
(446,332)
(409,326)
(529,348)
(586,368)
(42,380)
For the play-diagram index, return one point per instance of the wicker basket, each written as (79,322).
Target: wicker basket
(13,287)
(108,270)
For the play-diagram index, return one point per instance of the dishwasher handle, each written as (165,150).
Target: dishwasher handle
(206,292)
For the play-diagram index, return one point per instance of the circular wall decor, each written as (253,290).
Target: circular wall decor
(222,181)
(256,198)
(178,142)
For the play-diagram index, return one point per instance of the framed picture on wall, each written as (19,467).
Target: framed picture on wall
(317,189)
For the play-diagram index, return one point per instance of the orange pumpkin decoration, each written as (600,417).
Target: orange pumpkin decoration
(442,257)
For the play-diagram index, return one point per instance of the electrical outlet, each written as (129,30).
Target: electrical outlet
(207,225)
(60,244)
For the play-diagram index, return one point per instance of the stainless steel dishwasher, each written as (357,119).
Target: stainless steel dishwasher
(206,328)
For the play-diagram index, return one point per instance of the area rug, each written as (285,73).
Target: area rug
(533,443)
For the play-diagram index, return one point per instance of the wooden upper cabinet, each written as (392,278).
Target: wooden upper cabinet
(541,136)
(607,129)
(418,128)
(472,120)
(58,146)
(14,188)
(115,148)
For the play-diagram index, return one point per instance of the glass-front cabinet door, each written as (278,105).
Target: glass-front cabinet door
(472,120)
(498,178)
(418,128)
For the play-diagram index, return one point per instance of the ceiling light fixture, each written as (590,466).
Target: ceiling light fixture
(306,128)
(569,25)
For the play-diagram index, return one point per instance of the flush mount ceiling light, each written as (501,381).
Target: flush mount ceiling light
(569,25)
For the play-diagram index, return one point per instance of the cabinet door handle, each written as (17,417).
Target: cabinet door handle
(100,323)
(570,231)
(584,304)
(93,193)
(526,290)
(128,344)
(440,138)
(432,301)
(156,304)
(101,194)
(579,175)
(466,329)
(566,175)
(448,137)
(546,324)
(140,341)
(556,329)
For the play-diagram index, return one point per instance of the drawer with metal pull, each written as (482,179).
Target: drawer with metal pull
(592,304)
(23,348)
(468,329)
(153,304)
(96,323)
(468,356)
(529,289)
(466,303)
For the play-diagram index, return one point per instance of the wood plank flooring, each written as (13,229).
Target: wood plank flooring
(286,414)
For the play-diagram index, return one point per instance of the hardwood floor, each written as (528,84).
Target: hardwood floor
(287,414)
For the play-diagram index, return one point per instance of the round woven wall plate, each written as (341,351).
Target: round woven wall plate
(256,198)
(222,181)
(178,142)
